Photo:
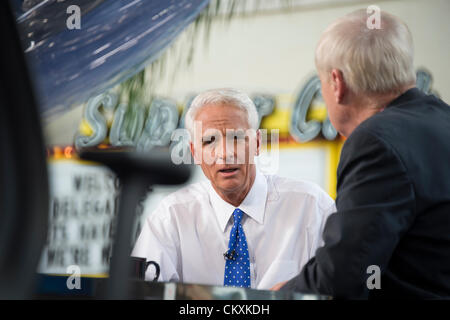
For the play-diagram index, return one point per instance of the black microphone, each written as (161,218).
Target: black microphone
(229,255)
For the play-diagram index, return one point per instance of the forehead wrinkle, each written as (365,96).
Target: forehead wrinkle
(232,120)
(222,125)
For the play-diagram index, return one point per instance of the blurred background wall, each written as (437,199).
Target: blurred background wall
(274,50)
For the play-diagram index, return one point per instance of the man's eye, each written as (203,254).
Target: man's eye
(208,141)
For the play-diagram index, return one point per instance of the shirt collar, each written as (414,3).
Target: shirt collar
(410,94)
(253,205)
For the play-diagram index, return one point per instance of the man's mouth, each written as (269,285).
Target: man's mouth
(228,171)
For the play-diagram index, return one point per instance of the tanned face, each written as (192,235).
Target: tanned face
(227,161)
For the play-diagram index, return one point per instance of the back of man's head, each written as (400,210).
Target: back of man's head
(372,61)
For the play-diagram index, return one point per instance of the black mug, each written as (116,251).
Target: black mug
(140,266)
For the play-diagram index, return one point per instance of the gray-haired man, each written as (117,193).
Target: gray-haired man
(390,236)
(240,227)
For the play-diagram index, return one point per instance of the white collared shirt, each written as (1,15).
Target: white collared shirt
(189,231)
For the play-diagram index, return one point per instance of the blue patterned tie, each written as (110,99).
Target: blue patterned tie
(237,266)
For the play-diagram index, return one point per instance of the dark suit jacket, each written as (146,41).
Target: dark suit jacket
(393,207)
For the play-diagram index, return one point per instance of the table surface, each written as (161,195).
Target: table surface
(56,287)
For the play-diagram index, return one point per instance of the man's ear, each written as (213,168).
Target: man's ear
(258,142)
(191,147)
(197,158)
(338,84)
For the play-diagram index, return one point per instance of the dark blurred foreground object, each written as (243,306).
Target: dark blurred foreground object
(136,172)
(23,171)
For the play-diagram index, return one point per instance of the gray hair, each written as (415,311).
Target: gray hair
(371,60)
(223,96)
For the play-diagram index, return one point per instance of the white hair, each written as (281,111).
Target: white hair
(224,97)
(372,61)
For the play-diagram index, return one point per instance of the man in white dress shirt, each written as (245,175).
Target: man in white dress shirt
(239,227)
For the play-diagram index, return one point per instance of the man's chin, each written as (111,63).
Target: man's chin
(230,185)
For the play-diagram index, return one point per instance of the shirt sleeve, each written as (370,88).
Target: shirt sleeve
(324,215)
(375,207)
(158,241)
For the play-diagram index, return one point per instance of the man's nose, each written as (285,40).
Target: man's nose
(225,152)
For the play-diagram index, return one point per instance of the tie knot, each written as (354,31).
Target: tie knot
(237,215)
